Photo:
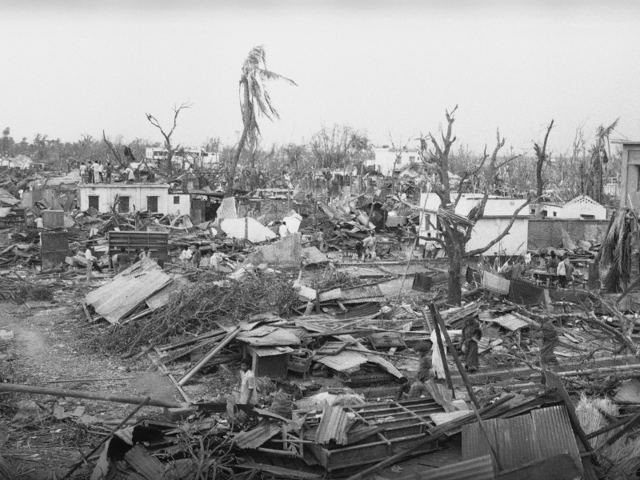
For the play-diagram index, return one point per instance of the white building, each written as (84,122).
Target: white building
(580,208)
(194,156)
(389,160)
(497,215)
(150,197)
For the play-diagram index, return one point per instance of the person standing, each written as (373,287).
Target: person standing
(146,253)
(283,231)
(552,263)
(196,256)
(248,389)
(185,256)
(90,172)
(131,176)
(359,249)
(91,262)
(370,245)
(561,271)
(108,171)
(471,335)
(83,173)
(96,171)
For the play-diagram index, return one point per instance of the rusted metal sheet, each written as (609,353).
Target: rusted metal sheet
(480,468)
(333,426)
(258,435)
(524,439)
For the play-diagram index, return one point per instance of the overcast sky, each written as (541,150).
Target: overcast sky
(390,68)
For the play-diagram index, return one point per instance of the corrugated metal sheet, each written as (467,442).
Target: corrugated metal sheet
(523,439)
(555,434)
(344,361)
(509,321)
(333,426)
(117,299)
(480,468)
(258,435)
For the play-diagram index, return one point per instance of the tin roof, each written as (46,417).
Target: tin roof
(480,468)
(520,440)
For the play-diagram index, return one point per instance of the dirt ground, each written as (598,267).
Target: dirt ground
(50,344)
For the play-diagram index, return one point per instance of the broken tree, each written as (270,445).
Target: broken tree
(456,230)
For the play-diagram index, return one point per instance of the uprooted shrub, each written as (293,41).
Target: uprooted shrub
(202,306)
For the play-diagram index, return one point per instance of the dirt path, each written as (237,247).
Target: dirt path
(48,344)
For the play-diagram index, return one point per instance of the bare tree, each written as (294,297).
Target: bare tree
(456,230)
(541,158)
(171,149)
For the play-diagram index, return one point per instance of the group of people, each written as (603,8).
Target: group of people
(192,256)
(560,266)
(366,249)
(98,173)
(95,172)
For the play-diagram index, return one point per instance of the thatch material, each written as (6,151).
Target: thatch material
(617,248)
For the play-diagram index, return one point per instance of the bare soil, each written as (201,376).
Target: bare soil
(50,344)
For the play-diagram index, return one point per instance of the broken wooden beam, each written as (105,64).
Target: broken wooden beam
(210,355)
(105,397)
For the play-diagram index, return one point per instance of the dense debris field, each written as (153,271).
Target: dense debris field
(295,336)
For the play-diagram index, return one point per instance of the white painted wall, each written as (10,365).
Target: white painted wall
(583,205)
(137,194)
(497,217)
(385,158)
(496,206)
(486,229)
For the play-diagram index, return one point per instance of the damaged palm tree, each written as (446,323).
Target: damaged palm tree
(616,250)
(600,153)
(456,230)
(254,101)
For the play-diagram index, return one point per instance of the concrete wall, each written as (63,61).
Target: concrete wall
(486,229)
(547,232)
(137,194)
(630,194)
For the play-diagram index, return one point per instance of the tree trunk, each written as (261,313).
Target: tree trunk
(246,122)
(539,183)
(455,265)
